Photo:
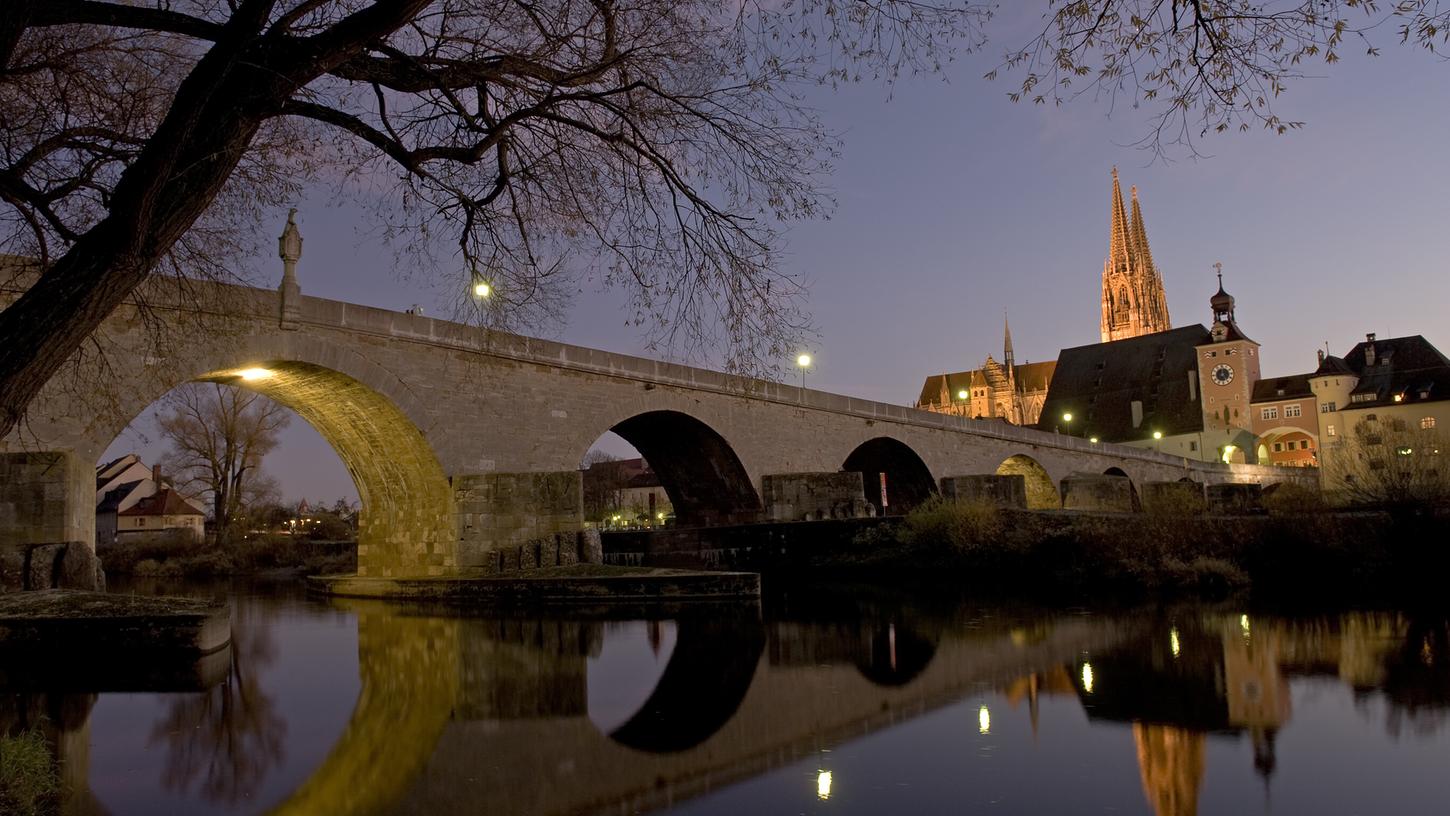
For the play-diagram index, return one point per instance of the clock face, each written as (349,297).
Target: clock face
(1223,374)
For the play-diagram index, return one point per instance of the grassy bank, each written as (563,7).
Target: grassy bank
(181,558)
(28,785)
(1291,549)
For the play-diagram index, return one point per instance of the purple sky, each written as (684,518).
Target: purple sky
(955,206)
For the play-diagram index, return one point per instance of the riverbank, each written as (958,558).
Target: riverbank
(255,556)
(1321,553)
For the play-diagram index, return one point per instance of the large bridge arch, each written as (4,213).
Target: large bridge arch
(1041,489)
(908,480)
(699,470)
(406,523)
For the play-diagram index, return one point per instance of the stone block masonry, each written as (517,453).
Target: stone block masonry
(466,443)
(814,496)
(1180,497)
(1002,491)
(1103,493)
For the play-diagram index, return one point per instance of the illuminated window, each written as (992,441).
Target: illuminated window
(1426,423)
(1292,411)
(1330,430)
(1278,447)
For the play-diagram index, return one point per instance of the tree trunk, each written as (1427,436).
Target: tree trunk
(243,80)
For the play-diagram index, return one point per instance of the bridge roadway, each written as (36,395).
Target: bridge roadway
(465,443)
(458,715)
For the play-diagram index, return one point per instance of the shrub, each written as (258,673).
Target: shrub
(28,785)
(965,526)
(1288,499)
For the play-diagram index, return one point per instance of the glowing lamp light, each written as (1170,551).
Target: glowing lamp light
(481,289)
(1093,439)
(823,785)
(962,394)
(1067,417)
(1087,677)
(804,361)
(1157,434)
(1173,641)
(254,373)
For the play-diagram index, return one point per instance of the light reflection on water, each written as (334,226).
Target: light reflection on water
(826,701)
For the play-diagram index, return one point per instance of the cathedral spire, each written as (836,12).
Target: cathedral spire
(1007,341)
(1133,303)
(1119,238)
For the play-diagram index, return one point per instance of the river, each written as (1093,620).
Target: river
(820,700)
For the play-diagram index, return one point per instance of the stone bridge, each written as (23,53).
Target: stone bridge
(464,443)
(456,711)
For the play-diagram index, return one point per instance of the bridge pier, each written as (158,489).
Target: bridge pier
(814,496)
(47,522)
(1003,491)
(502,516)
(1090,492)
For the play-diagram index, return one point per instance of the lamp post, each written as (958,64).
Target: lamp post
(1157,437)
(804,361)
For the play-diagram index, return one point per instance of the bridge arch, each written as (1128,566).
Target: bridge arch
(1041,490)
(698,469)
(406,523)
(1132,487)
(908,481)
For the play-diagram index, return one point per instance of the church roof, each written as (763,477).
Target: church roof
(1030,377)
(1405,370)
(1098,385)
(1295,386)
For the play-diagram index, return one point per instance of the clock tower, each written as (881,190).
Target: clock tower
(1228,367)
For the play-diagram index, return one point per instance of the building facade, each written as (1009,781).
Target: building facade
(1286,421)
(1134,303)
(1384,411)
(1007,390)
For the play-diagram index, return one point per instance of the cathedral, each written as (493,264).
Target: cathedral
(1133,300)
(1133,305)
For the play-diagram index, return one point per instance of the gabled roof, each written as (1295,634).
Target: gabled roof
(116,495)
(1405,370)
(1294,386)
(164,502)
(1098,384)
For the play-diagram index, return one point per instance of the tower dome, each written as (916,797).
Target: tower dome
(1221,301)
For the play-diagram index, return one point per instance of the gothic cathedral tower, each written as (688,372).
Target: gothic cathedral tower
(1133,299)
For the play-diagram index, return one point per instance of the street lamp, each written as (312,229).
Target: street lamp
(1157,435)
(804,361)
(482,289)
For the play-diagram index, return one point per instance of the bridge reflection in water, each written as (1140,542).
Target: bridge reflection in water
(455,713)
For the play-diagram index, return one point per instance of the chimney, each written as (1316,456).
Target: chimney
(1369,349)
(1320,353)
(156,475)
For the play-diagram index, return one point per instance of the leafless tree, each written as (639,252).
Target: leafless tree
(1205,65)
(658,145)
(218,435)
(1387,462)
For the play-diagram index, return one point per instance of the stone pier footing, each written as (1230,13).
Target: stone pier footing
(1235,499)
(814,496)
(1174,498)
(1101,493)
(1002,491)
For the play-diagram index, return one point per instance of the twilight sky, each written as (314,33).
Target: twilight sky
(955,206)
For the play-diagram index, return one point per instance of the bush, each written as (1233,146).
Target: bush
(28,785)
(1289,499)
(963,525)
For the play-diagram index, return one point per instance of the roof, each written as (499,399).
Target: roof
(1098,384)
(164,502)
(1404,370)
(646,479)
(1029,376)
(1333,365)
(116,495)
(1293,386)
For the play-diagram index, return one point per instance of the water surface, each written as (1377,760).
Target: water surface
(822,700)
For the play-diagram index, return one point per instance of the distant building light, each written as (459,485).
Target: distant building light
(1093,439)
(804,361)
(481,289)
(1157,434)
